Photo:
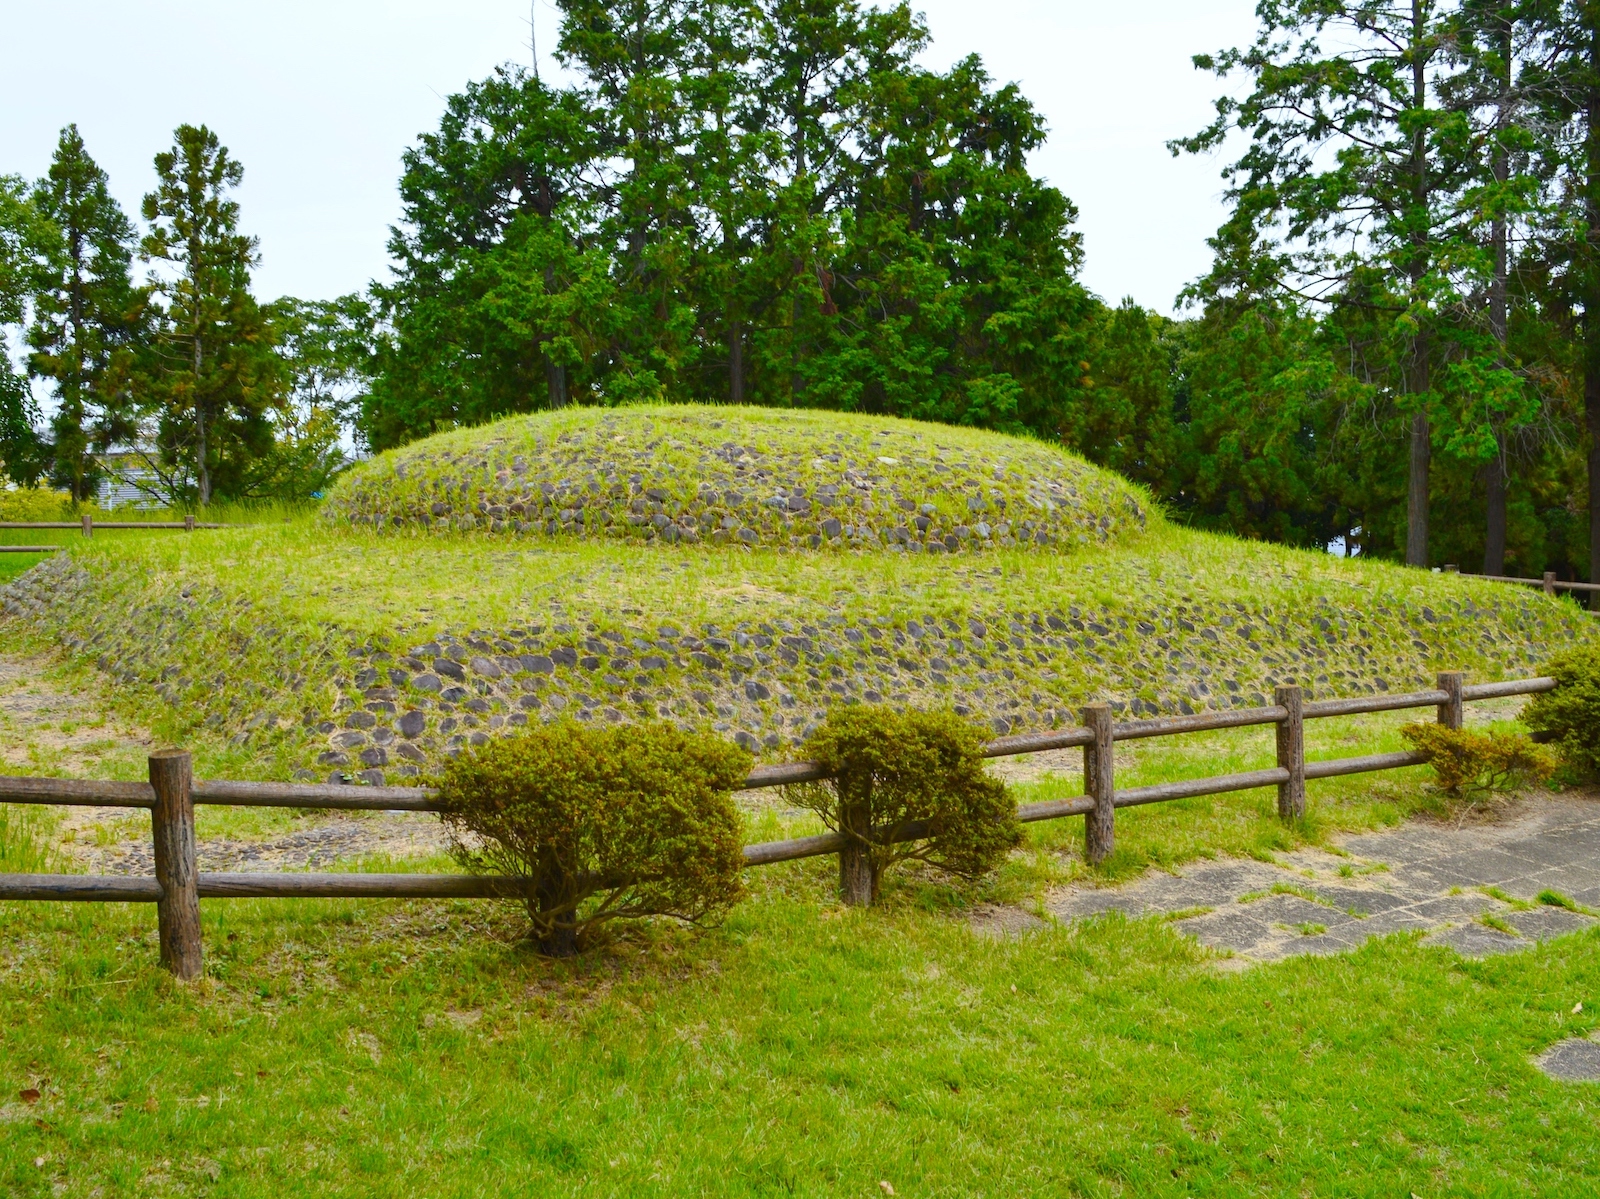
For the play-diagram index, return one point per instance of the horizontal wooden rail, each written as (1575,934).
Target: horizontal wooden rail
(109,524)
(144,889)
(29,549)
(1549,582)
(92,888)
(1502,690)
(317,795)
(1335,767)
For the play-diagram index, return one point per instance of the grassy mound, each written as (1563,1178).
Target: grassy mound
(351,652)
(749,476)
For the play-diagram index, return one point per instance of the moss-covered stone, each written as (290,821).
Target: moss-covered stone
(742,476)
(1022,652)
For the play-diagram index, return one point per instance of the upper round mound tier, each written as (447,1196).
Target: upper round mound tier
(800,479)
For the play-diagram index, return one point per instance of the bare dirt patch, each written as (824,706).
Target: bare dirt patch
(48,729)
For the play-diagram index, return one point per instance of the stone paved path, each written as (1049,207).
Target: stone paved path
(1424,877)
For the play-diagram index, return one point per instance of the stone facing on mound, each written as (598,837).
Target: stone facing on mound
(744,476)
(321,701)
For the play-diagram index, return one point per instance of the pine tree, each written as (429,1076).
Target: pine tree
(1352,163)
(86,316)
(216,378)
(24,238)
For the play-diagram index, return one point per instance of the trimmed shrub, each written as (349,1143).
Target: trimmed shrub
(601,824)
(1468,762)
(907,785)
(1570,715)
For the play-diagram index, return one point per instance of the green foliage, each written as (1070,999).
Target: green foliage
(602,823)
(89,320)
(24,235)
(213,377)
(909,785)
(1468,762)
(35,503)
(1398,172)
(1571,713)
(763,203)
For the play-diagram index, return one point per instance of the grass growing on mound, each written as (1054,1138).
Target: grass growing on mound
(280,634)
(743,476)
(380,1048)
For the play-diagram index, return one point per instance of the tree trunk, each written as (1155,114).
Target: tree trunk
(858,882)
(1591,297)
(1494,540)
(203,471)
(1417,382)
(75,403)
(552,893)
(1494,545)
(1591,399)
(555,378)
(1417,491)
(736,363)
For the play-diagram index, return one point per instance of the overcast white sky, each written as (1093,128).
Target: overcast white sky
(319,99)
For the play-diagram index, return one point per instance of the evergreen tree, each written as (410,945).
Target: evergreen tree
(498,304)
(24,237)
(86,316)
(215,378)
(1569,242)
(1352,164)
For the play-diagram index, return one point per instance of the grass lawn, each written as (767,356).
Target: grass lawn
(381,1048)
(386,1048)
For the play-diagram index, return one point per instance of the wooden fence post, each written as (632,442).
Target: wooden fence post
(1549,582)
(1451,714)
(1291,752)
(188,523)
(1099,784)
(172,827)
(88,525)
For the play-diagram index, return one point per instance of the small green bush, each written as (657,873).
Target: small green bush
(35,503)
(909,785)
(601,824)
(1468,762)
(1570,715)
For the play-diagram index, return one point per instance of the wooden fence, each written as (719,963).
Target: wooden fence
(1549,584)
(87,525)
(177,886)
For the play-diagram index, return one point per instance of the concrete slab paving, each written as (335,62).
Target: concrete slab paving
(1475,940)
(1422,877)
(1573,1060)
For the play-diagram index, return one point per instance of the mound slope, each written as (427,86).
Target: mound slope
(376,656)
(746,476)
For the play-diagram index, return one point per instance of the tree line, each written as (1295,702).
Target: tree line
(217,395)
(774,202)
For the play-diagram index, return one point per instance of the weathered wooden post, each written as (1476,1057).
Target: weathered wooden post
(1549,582)
(1291,752)
(172,827)
(1450,568)
(1099,784)
(188,522)
(1451,713)
(88,525)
